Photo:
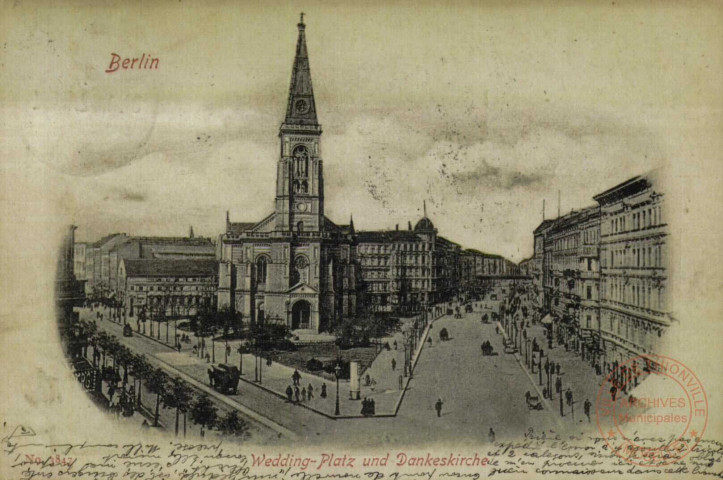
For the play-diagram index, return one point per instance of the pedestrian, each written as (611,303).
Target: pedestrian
(323,390)
(310,391)
(395,344)
(178,347)
(558,385)
(394,364)
(296,394)
(557,367)
(438,407)
(303,394)
(289,393)
(613,392)
(210,377)
(587,406)
(296,377)
(429,339)
(228,350)
(208,358)
(568,397)
(491,435)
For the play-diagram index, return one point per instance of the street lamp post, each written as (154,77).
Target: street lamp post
(337,372)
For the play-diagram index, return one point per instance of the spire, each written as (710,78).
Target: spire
(351,222)
(190,231)
(424,202)
(301,109)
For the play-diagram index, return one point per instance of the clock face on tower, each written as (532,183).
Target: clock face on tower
(301,106)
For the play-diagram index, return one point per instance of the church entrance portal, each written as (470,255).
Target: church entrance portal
(301,315)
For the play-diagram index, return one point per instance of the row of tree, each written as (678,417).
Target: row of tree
(170,392)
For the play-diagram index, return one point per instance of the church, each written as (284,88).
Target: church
(294,267)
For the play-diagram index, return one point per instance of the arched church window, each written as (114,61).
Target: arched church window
(301,161)
(297,186)
(299,228)
(304,187)
(261,269)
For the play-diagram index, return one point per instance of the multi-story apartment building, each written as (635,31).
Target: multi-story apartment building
(175,287)
(604,273)
(404,271)
(633,268)
(79,262)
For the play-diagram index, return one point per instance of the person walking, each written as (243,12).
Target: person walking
(296,394)
(438,407)
(491,435)
(289,393)
(587,406)
(613,392)
(296,377)
(310,391)
(323,390)
(303,394)
(568,397)
(394,364)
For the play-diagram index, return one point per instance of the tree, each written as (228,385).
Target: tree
(157,383)
(203,412)
(178,395)
(234,425)
(141,369)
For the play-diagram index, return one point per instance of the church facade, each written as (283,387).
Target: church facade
(295,266)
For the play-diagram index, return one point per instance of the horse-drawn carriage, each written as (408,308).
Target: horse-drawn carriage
(533,402)
(468,308)
(127,330)
(444,335)
(224,378)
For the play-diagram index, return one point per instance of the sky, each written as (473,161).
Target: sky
(483,110)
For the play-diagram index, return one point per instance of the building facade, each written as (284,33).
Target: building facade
(171,287)
(603,272)
(406,271)
(634,305)
(295,266)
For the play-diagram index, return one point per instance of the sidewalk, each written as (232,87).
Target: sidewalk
(275,378)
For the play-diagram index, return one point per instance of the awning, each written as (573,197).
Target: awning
(547,319)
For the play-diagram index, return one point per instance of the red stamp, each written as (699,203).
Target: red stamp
(665,419)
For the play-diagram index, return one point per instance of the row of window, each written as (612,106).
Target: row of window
(646,218)
(645,256)
(159,288)
(387,248)
(636,292)
(625,328)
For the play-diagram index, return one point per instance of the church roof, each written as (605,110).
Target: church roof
(236,228)
(301,109)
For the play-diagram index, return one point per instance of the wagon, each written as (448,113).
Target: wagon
(224,378)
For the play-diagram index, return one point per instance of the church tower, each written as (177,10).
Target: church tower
(299,178)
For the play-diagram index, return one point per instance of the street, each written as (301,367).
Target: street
(478,393)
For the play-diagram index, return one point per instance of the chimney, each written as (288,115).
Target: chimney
(397,227)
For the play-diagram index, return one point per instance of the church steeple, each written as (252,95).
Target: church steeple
(301,108)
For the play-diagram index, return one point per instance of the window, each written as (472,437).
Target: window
(588,291)
(261,269)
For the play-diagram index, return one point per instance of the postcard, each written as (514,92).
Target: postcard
(374,241)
